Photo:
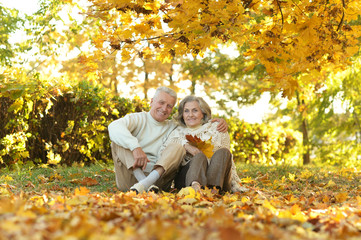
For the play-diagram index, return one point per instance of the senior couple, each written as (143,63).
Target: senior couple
(150,151)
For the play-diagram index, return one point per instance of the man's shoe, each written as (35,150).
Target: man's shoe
(138,188)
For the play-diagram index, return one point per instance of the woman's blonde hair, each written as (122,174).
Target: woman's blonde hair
(206,110)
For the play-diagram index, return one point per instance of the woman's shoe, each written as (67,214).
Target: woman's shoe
(196,186)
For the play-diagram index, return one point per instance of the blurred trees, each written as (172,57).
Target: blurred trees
(9,23)
(328,117)
(131,47)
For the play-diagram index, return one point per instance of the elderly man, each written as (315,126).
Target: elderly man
(136,140)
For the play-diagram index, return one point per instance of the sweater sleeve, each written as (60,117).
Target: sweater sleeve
(176,136)
(219,139)
(120,131)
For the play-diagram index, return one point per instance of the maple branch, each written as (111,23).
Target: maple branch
(166,14)
(35,67)
(299,8)
(249,3)
(279,6)
(157,37)
(148,39)
(343,16)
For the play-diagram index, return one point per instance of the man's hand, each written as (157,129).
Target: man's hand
(222,125)
(192,149)
(140,158)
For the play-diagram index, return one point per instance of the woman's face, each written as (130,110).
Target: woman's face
(192,114)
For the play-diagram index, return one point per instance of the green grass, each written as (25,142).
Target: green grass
(60,178)
(295,179)
(100,178)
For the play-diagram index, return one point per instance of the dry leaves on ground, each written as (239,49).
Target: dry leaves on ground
(317,211)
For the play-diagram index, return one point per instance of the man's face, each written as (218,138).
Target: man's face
(161,106)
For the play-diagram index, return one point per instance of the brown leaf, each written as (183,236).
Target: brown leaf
(30,184)
(229,233)
(87,181)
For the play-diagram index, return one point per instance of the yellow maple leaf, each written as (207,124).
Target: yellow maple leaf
(268,205)
(331,184)
(358,200)
(205,146)
(247,180)
(292,177)
(82,191)
(341,197)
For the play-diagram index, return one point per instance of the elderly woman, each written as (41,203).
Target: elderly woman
(208,160)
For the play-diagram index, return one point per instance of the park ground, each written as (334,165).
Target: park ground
(82,202)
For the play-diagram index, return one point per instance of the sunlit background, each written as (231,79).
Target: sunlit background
(252,114)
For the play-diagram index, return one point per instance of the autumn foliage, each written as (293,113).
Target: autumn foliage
(282,203)
(298,42)
(263,143)
(205,146)
(45,124)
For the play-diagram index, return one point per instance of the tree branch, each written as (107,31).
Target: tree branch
(166,14)
(299,8)
(343,15)
(35,67)
(279,6)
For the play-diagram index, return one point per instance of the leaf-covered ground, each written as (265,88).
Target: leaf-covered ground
(82,203)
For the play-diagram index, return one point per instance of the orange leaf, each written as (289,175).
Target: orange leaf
(295,209)
(82,191)
(193,139)
(205,146)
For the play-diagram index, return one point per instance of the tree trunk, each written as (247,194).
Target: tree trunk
(146,81)
(306,144)
(171,81)
(114,76)
(358,133)
(305,140)
(193,87)
(115,84)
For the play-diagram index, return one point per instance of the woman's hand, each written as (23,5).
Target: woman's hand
(192,149)
(222,124)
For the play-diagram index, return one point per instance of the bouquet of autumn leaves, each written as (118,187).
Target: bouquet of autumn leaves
(205,146)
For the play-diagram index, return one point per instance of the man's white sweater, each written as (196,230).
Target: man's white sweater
(141,130)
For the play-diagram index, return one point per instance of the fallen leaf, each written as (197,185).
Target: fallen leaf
(87,181)
(341,197)
(82,191)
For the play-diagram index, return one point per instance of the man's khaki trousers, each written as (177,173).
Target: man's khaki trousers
(123,162)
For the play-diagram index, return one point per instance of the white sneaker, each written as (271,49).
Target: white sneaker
(138,187)
(153,188)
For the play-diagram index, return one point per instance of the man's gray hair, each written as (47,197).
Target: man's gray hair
(171,92)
